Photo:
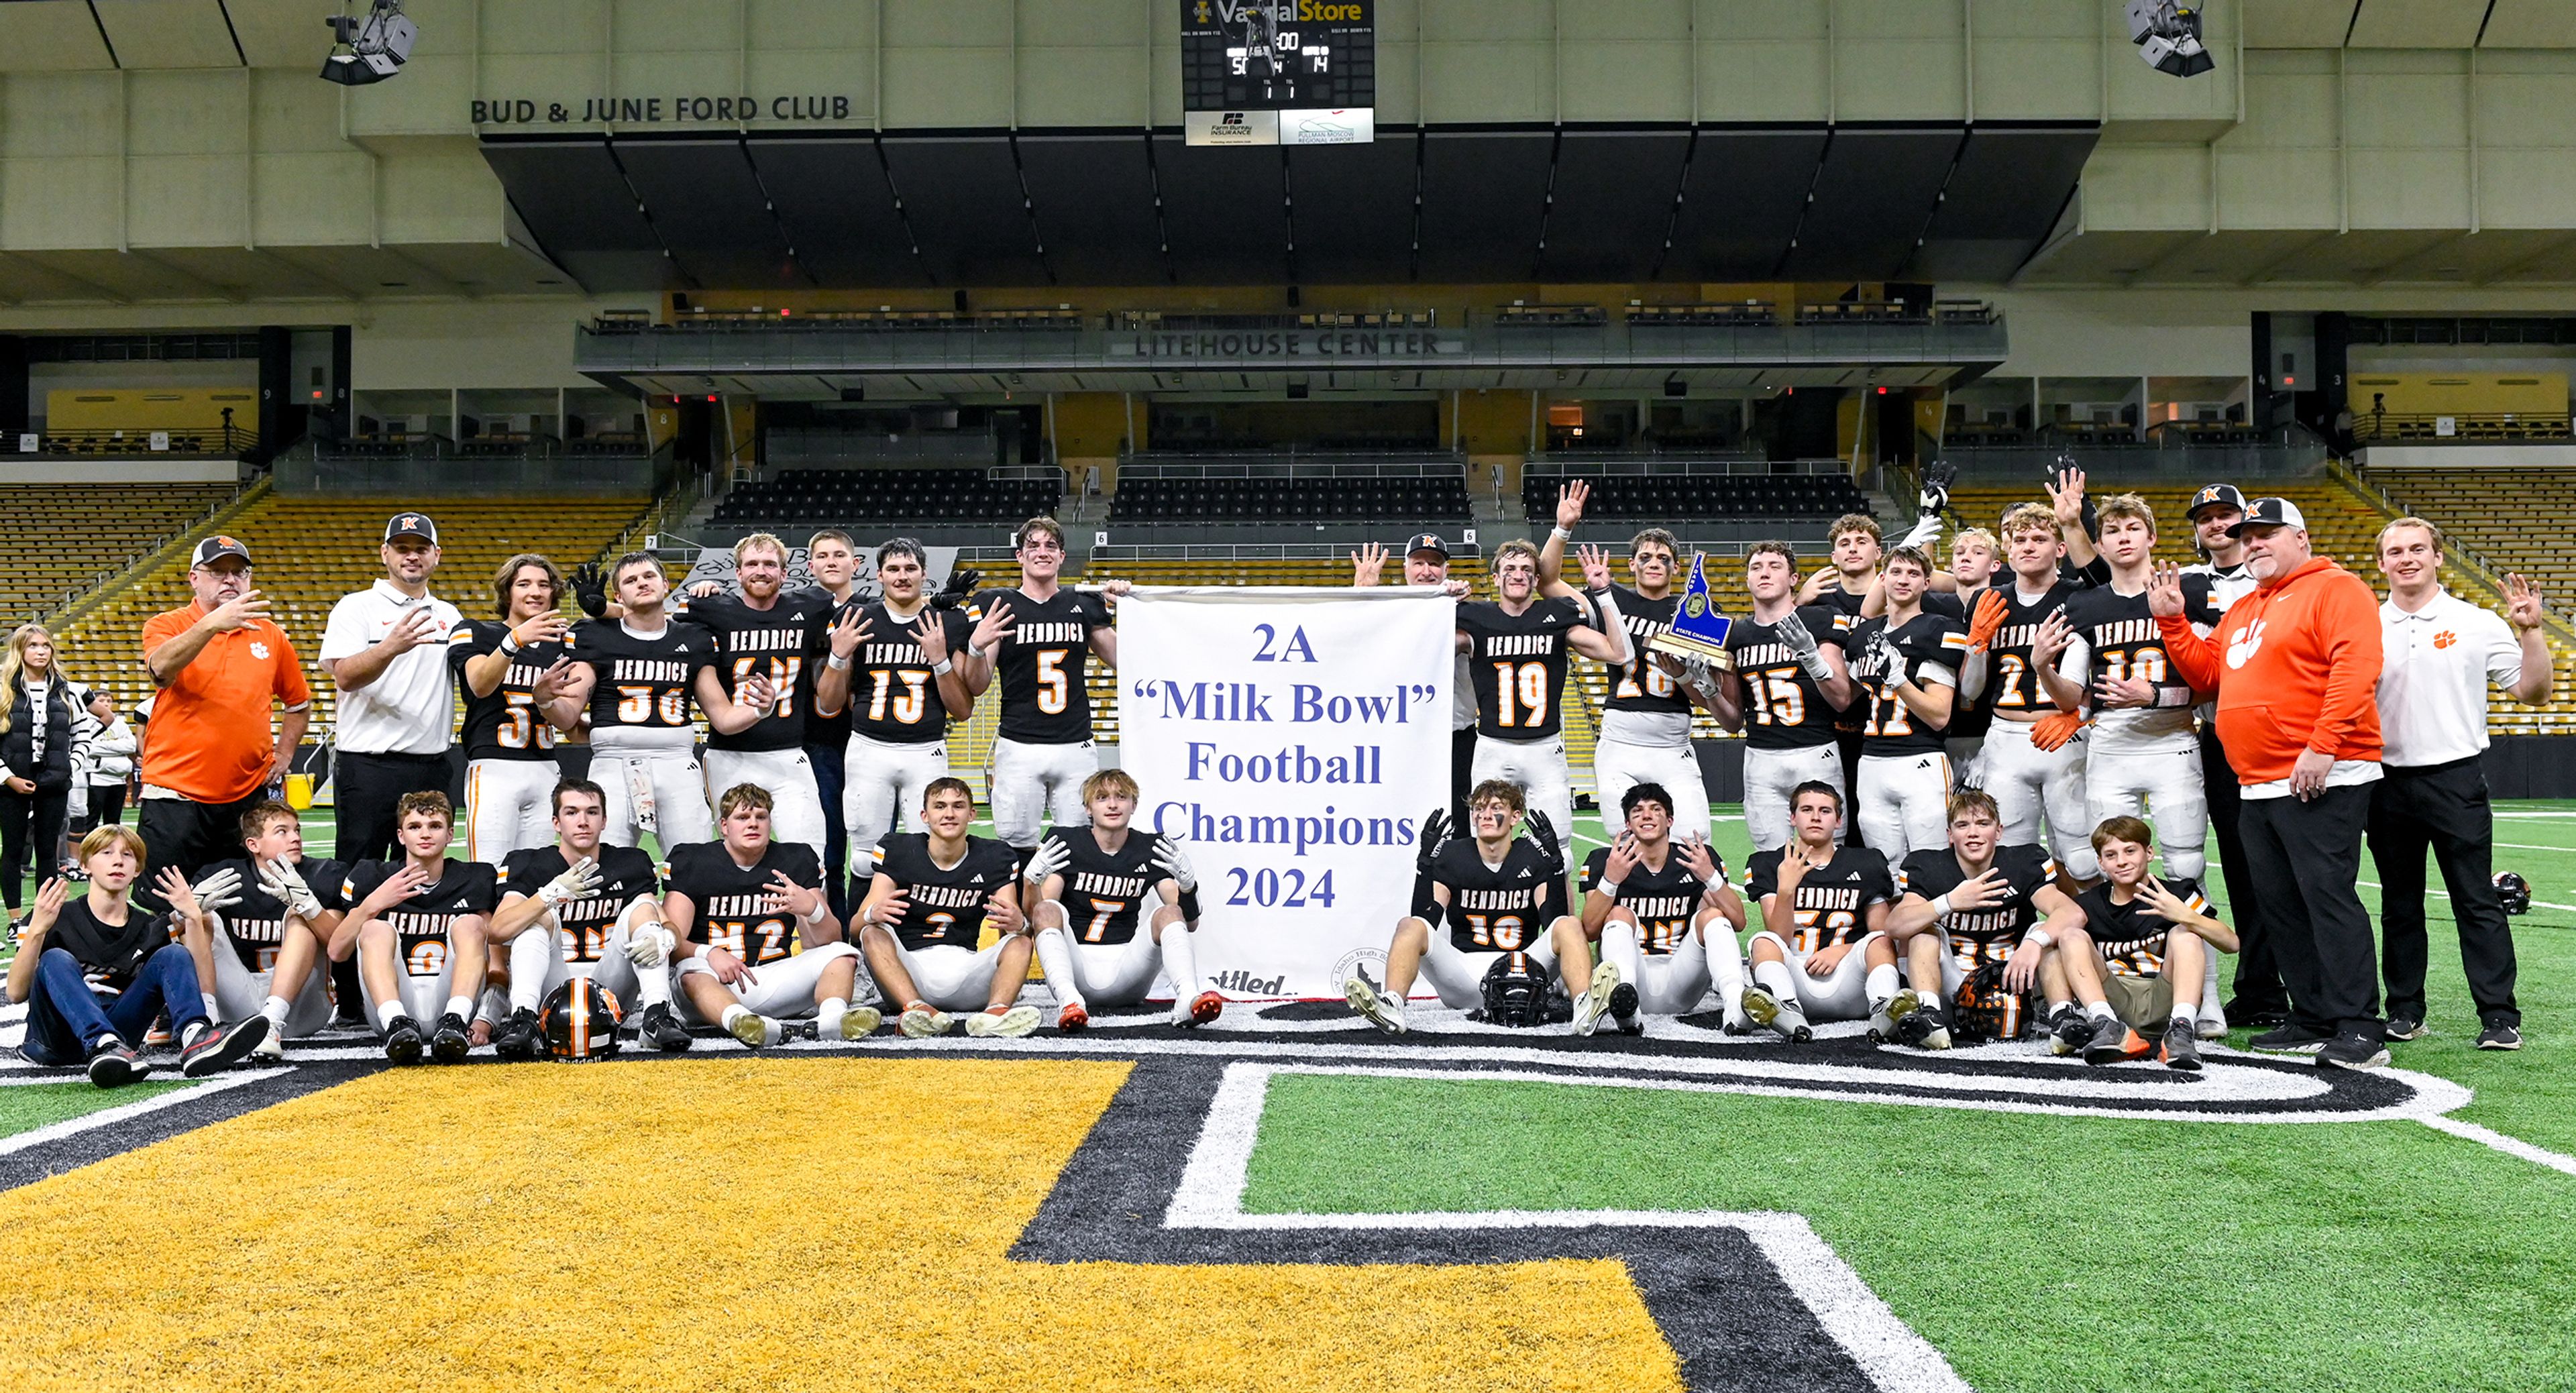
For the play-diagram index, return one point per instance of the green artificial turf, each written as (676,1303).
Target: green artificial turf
(26,1107)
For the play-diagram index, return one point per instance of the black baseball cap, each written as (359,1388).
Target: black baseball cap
(411,525)
(2269,512)
(2215,496)
(216,548)
(1428,541)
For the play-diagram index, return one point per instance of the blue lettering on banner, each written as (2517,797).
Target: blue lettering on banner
(1365,764)
(1307,703)
(1195,822)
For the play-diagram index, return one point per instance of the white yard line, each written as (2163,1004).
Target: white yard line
(72,1126)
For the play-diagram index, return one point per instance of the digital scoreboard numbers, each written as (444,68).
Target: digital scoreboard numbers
(1279,72)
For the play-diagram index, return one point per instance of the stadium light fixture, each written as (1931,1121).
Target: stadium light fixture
(378,45)
(2167,34)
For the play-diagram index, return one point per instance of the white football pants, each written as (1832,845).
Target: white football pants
(795,803)
(1538,766)
(881,781)
(1033,780)
(1840,995)
(1903,802)
(2163,788)
(507,807)
(1618,767)
(670,782)
(1770,776)
(2027,781)
(1671,984)
(1459,977)
(240,992)
(780,990)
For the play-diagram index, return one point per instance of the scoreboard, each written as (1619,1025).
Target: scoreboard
(1268,72)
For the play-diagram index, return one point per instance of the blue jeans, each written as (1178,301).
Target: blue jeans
(830,777)
(64,1017)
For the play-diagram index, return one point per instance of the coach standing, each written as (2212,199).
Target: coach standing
(218,664)
(2441,653)
(2296,666)
(386,650)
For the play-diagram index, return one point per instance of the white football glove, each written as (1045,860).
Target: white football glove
(219,891)
(1052,855)
(1892,669)
(577,880)
(1802,645)
(285,886)
(1175,862)
(651,946)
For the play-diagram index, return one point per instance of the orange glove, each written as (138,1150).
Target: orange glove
(1987,618)
(2052,731)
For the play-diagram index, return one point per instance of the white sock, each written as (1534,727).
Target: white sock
(1055,955)
(2188,1017)
(211,1012)
(389,1013)
(2100,1011)
(827,1017)
(461,1007)
(653,985)
(1881,987)
(1181,964)
(2208,978)
(531,954)
(1772,976)
(732,1014)
(275,1009)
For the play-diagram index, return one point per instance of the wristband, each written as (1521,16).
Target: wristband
(984,654)
(1941,906)
(2038,936)
(942,668)
(807,921)
(1559,534)
(509,643)
(1608,887)
(837,663)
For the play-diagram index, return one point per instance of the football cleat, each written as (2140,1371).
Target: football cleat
(2181,1048)
(517,1037)
(1926,1029)
(920,1022)
(1906,1002)
(2113,1041)
(1792,1024)
(449,1042)
(1003,1025)
(660,1027)
(754,1030)
(1071,1016)
(213,1048)
(1623,1010)
(2069,1030)
(112,1065)
(403,1043)
(860,1022)
(1375,1009)
(271,1050)
(2212,1022)
(1204,1007)
(1760,1007)
(1595,1001)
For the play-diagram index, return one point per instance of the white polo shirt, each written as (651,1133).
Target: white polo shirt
(2435,667)
(411,706)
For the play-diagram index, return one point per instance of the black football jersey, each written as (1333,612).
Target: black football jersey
(643,683)
(732,901)
(2131,937)
(944,904)
(2012,686)
(785,641)
(421,923)
(825,732)
(894,691)
(2122,642)
(1981,936)
(506,724)
(1783,709)
(1969,720)
(257,926)
(1947,604)
(624,873)
(1104,891)
(1639,685)
(1043,661)
(1831,905)
(1518,663)
(1664,901)
(1497,910)
(1890,727)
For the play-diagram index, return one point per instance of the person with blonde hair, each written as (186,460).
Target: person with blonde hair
(38,721)
(1088,884)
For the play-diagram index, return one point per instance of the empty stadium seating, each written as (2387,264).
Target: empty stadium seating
(58,539)
(2516,519)
(883,497)
(1430,498)
(1670,497)
(308,552)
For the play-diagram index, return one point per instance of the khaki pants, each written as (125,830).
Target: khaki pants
(2145,1004)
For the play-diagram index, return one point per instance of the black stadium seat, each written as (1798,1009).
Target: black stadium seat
(1660,497)
(1233,499)
(889,497)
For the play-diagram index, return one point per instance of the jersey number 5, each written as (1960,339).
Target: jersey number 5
(1053,690)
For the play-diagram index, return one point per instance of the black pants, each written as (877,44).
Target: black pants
(830,777)
(2441,808)
(1847,743)
(31,826)
(2306,856)
(364,790)
(2258,975)
(1462,770)
(106,807)
(190,836)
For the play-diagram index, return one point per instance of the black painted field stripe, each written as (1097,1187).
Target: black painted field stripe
(116,1138)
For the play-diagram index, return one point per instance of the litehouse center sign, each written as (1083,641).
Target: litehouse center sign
(1278,345)
(643,111)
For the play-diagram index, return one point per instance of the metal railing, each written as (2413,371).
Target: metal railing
(2284,452)
(229,442)
(1290,464)
(2458,554)
(2424,428)
(1590,465)
(100,585)
(1246,551)
(304,472)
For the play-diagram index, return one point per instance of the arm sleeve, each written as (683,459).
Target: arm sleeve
(2194,657)
(2076,661)
(2349,620)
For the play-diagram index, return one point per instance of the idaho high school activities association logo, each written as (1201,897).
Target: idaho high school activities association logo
(2247,642)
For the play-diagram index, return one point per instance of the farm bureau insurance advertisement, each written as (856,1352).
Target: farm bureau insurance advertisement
(1295,738)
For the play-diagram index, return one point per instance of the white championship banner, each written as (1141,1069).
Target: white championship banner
(1294,738)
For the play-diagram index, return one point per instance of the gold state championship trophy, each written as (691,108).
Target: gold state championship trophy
(1699,630)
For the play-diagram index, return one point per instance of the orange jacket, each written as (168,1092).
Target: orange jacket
(2296,667)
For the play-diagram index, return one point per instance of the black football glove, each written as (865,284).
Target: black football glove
(1937,478)
(1543,835)
(590,589)
(1435,831)
(961,584)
